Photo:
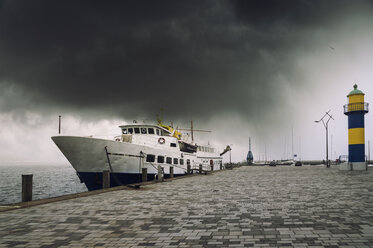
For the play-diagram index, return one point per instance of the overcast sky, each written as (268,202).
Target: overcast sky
(237,68)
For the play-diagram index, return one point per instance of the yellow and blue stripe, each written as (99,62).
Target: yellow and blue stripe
(356,131)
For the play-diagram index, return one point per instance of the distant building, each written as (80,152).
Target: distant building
(250,157)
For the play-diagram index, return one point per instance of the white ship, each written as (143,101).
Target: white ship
(139,146)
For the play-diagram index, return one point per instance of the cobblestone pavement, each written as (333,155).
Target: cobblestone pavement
(244,207)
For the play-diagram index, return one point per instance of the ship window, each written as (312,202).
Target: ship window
(143,130)
(124,130)
(176,161)
(169,160)
(137,130)
(150,131)
(173,144)
(157,131)
(150,158)
(130,130)
(181,161)
(188,161)
(160,159)
(164,133)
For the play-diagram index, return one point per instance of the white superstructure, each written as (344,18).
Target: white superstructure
(139,146)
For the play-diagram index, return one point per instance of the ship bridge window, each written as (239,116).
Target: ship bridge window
(143,130)
(130,130)
(158,133)
(150,158)
(124,131)
(160,159)
(176,161)
(150,131)
(188,161)
(169,160)
(173,144)
(181,161)
(137,130)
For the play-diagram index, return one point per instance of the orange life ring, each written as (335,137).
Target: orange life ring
(161,141)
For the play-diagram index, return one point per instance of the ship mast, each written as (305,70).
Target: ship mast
(191,129)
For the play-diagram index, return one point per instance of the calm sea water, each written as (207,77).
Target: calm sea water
(48,181)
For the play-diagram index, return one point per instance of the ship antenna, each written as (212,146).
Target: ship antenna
(59,124)
(191,128)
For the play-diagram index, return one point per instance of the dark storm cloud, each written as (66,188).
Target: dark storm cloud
(123,58)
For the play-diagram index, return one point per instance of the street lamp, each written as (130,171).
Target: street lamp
(325,123)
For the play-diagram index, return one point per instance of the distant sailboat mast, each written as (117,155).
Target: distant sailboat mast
(292,144)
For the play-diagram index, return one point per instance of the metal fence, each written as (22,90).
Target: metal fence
(359,106)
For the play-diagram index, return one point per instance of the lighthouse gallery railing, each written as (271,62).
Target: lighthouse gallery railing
(359,106)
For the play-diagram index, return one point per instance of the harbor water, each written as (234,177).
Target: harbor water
(48,181)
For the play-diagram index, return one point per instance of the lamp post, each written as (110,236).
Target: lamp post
(325,123)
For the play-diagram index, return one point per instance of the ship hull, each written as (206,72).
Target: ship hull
(93,180)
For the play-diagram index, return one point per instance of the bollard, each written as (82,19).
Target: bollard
(105,179)
(144,175)
(188,169)
(171,171)
(26,188)
(160,174)
(200,169)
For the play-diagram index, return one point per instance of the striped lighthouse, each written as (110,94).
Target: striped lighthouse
(355,110)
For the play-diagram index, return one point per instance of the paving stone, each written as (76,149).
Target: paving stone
(310,206)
